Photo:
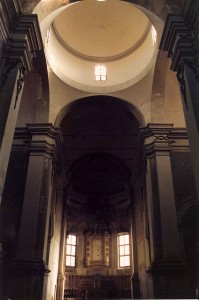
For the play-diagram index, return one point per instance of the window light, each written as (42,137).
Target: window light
(71,250)
(48,34)
(100,72)
(154,35)
(124,250)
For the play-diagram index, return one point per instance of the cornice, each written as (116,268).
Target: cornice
(119,56)
(22,46)
(179,40)
(161,139)
(39,139)
(9,13)
(24,42)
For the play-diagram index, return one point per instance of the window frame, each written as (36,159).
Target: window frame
(100,72)
(69,248)
(126,252)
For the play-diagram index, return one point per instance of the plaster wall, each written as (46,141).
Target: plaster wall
(173,110)
(62,95)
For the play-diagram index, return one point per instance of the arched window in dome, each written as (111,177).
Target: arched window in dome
(100,72)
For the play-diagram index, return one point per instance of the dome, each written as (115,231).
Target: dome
(113,33)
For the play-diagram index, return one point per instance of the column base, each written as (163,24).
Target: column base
(135,286)
(60,286)
(27,280)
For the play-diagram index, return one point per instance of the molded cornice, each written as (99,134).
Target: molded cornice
(160,139)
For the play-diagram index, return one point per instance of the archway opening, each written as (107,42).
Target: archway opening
(102,160)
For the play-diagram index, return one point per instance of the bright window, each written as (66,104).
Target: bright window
(124,250)
(71,243)
(100,73)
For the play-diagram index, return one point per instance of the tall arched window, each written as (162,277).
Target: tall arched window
(100,72)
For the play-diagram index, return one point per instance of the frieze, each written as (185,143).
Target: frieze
(163,139)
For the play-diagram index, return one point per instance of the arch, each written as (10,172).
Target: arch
(131,108)
(100,127)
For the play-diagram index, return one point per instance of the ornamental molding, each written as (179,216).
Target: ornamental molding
(21,48)
(179,41)
(161,139)
(39,139)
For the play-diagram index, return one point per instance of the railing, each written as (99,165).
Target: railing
(93,287)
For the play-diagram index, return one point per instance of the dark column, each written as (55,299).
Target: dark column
(166,253)
(19,51)
(30,271)
(179,41)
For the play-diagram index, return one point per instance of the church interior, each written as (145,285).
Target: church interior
(99,149)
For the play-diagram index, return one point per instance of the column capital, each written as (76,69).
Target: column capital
(155,139)
(162,138)
(45,139)
(22,46)
(179,41)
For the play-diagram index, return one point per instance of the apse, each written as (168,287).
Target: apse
(101,155)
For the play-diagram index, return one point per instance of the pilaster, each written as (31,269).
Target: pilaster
(30,270)
(166,252)
(180,39)
(20,49)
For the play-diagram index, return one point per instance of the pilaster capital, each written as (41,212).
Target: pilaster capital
(178,40)
(162,138)
(21,47)
(155,139)
(45,139)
